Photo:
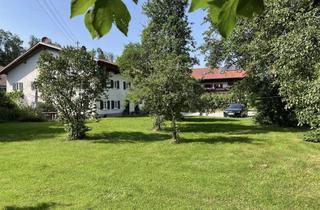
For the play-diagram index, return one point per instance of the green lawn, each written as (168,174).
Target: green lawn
(222,164)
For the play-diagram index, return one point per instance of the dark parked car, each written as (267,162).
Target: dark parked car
(235,110)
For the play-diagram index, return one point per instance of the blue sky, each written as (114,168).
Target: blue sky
(43,17)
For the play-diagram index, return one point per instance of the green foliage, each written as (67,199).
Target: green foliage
(30,114)
(223,13)
(101,14)
(313,136)
(212,101)
(108,56)
(71,82)
(163,80)
(10,47)
(11,109)
(276,48)
(34,40)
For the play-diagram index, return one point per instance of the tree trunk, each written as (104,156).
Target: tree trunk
(76,130)
(157,123)
(174,130)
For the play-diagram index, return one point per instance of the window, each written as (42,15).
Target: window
(124,85)
(104,105)
(118,85)
(218,85)
(33,86)
(108,104)
(101,104)
(110,84)
(208,86)
(118,104)
(112,104)
(230,83)
(17,86)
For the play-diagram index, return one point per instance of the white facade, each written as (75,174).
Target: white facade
(115,95)
(22,76)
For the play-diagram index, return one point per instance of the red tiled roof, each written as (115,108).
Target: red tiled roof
(207,73)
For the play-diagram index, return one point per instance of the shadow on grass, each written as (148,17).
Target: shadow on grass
(208,119)
(227,125)
(40,206)
(220,139)
(117,137)
(17,132)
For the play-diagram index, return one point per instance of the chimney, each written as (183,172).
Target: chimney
(45,40)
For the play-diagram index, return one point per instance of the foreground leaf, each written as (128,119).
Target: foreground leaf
(88,23)
(121,16)
(248,8)
(198,4)
(102,16)
(228,17)
(79,7)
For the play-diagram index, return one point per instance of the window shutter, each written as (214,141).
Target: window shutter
(101,104)
(108,104)
(112,104)
(118,85)
(111,83)
(118,104)
(21,86)
(124,85)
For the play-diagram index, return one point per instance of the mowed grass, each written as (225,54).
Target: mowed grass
(123,164)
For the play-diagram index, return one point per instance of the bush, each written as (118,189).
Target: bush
(312,136)
(12,110)
(212,101)
(29,114)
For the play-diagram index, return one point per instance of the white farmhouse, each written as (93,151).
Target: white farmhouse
(22,72)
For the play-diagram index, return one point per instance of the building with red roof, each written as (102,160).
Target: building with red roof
(219,80)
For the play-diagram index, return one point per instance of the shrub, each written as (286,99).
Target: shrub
(29,114)
(312,136)
(11,109)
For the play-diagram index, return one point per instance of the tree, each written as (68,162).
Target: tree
(132,64)
(166,44)
(71,82)
(34,40)
(160,67)
(280,49)
(105,55)
(10,47)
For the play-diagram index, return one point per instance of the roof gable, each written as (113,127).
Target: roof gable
(29,53)
(43,46)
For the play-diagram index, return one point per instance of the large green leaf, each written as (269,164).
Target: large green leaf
(88,22)
(102,16)
(79,7)
(228,17)
(198,4)
(121,16)
(215,7)
(247,8)
(224,13)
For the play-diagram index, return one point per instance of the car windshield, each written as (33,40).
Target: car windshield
(236,106)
